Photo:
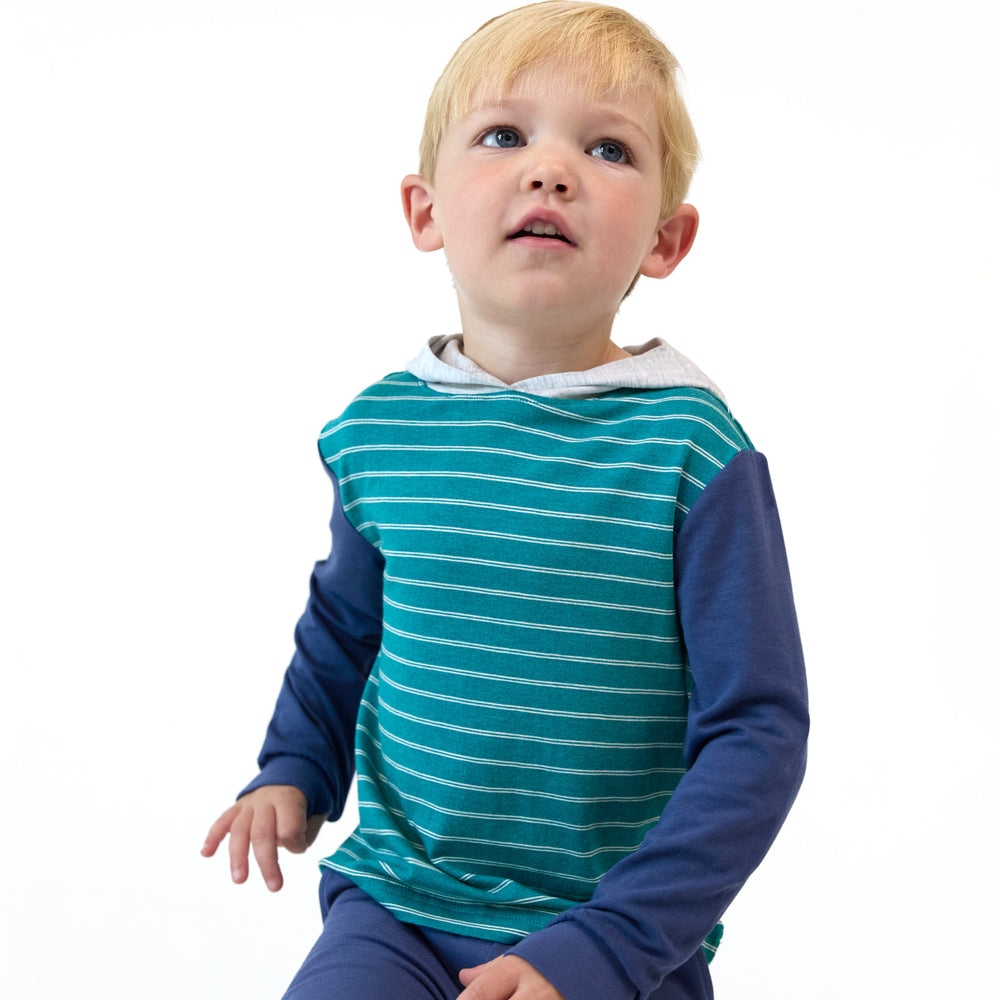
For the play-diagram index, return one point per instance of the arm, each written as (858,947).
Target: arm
(307,761)
(310,739)
(745,746)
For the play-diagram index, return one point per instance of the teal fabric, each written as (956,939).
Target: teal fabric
(523,726)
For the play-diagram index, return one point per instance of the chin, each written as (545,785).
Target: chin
(547,295)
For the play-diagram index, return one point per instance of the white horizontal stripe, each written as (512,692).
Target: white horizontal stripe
(537,626)
(514,790)
(509,509)
(457,925)
(546,711)
(506,536)
(394,474)
(576,602)
(528,765)
(539,682)
(534,871)
(409,911)
(647,399)
(539,432)
(529,654)
(572,414)
(507,817)
(513,845)
(524,567)
(507,736)
(519,456)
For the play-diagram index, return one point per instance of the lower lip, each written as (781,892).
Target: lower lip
(542,243)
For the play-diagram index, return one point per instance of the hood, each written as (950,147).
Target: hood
(653,365)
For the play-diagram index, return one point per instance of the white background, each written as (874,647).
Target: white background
(202,258)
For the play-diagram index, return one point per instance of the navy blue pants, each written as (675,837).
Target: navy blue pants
(364,951)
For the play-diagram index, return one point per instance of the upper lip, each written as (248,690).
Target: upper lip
(543,215)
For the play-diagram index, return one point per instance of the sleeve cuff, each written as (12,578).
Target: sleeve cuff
(577,965)
(303,774)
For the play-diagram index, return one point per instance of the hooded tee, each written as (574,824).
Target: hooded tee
(556,638)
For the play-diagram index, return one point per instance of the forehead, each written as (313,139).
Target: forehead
(594,82)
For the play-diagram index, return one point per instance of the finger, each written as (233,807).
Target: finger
(239,845)
(265,846)
(488,982)
(218,832)
(505,977)
(466,976)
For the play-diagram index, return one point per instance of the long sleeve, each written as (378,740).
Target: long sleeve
(310,739)
(745,749)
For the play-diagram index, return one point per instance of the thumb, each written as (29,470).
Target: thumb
(291,827)
(301,832)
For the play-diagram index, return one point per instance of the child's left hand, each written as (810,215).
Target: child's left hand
(502,978)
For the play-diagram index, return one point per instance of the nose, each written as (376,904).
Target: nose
(550,172)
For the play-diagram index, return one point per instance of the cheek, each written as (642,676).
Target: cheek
(638,217)
(470,228)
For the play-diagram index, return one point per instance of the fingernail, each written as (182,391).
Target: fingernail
(237,874)
(273,884)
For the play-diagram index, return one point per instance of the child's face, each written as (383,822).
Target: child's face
(547,205)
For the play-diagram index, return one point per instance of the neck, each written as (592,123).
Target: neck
(515,354)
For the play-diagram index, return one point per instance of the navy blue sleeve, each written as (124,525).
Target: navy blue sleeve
(310,740)
(746,751)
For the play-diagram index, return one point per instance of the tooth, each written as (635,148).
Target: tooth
(539,228)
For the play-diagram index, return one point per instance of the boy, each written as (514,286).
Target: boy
(555,632)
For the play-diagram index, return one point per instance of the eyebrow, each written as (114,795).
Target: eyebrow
(623,121)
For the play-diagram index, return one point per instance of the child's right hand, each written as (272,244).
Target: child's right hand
(267,818)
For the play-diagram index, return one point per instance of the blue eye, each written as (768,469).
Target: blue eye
(610,151)
(501,138)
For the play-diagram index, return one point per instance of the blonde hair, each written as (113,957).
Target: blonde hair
(615,51)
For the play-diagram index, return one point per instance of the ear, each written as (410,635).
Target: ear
(418,206)
(674,237)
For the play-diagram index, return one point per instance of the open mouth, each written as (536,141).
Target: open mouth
(546,230)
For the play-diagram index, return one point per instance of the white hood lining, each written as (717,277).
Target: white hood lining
(653,365)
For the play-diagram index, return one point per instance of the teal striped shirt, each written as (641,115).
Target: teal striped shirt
(523,726)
